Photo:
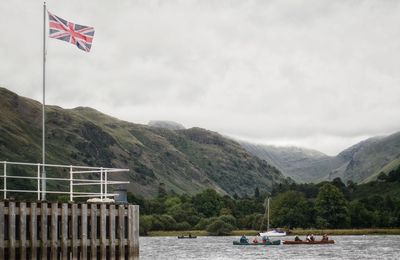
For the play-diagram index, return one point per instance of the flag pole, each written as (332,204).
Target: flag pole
(43,106)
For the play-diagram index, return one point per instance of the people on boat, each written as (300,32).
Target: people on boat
(255,240)
(244,240)
(265,239)
(308,237)
(312,238)
(297,238)
(325,237)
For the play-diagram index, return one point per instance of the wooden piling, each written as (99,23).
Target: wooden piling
(37,231)
(33,231)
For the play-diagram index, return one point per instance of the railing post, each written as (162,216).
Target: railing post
(38,181)
(105,184)
(101,183)
(5,180)
(71,189)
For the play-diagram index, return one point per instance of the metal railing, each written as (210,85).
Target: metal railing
(74,172)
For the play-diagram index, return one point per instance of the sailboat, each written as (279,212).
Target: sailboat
(273,232)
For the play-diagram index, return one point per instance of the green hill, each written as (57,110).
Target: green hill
(186,161)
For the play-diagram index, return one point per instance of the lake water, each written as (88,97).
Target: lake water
(346,247)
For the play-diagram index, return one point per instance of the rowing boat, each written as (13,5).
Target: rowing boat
(187,237)
(288,242)
(268,243)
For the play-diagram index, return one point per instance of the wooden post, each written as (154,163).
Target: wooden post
(135,227)
(33,231)
(130,231)
(43,230)
(74,230)
(54,230)
(11,229)
(22,230)
(112,231)
(121,231)
(84,230)
(64,231)
(2,224)
(103,232)
(93,231)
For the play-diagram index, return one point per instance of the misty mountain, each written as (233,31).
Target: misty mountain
(166,124)
(302,165)
(186,161)
(361,162)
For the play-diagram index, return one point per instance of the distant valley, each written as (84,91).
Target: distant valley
(360,163)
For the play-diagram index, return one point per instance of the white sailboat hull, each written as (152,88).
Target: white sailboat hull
(273,233)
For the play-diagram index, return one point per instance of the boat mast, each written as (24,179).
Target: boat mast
(265,213)
(268,215)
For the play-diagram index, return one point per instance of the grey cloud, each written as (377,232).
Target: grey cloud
(322,74)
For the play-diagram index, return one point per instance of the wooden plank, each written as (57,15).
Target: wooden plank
(93,231)
(2,225)
(121,231)
(54,230)
(130,231)
(11,229)
(103,232)
(43,230)
(74,230)
(135,226)
(84,231)
(33,231)
(64,231)
(112,231)
(22,230)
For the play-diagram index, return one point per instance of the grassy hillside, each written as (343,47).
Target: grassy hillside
(368,157)
(186,161)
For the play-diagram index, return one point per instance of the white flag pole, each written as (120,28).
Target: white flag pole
(43,106)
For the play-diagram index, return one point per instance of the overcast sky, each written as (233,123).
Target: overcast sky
(317,74)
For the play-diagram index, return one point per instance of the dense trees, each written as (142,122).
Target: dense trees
(290,209)
(324,205)
(331,207)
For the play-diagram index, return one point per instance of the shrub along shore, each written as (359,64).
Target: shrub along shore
(299,232)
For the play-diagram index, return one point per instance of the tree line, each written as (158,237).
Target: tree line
(324,205)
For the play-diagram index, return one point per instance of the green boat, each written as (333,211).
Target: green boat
(268,243)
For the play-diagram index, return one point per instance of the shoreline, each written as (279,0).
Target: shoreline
(294,232)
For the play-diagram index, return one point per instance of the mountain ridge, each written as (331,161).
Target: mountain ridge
(185,161)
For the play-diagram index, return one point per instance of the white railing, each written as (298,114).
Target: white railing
(74,172)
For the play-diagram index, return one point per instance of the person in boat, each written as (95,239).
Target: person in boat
(190,235)
(244,240)
(308,237)
(325,237)
(255,240)
(265,239)
(297,238)
(312,238)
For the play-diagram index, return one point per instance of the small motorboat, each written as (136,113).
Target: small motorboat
(305,242)
(187,237)
(273,233)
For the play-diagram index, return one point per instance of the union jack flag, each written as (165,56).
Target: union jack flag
(79,35)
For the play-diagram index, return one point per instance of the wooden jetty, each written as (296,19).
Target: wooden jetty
(44,230)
